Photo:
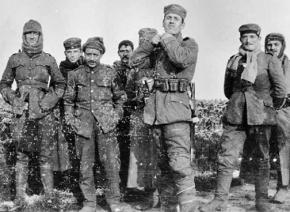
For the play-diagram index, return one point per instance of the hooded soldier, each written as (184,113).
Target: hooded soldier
(275,44)
(39,87)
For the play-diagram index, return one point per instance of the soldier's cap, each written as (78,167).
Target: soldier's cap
(147,34)
(175,9)
(278,37)
(95,43)
(126,43)
(72,43)
(32,26)
(250,28)
(275,36)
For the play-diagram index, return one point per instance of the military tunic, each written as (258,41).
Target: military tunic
(142,153)
(249,114)
(94,98)
(281,133)
(169,112)
(39,85)
(64,156)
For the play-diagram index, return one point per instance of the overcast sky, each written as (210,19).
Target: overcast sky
(212,23)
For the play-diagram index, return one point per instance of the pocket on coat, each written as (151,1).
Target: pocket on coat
(105,82)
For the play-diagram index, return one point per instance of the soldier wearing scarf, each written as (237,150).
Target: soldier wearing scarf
(253,81)
(40,85)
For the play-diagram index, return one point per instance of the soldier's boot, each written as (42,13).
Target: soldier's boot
(188,202)
(12,183)
(281,195)
(168,198)
(21,178)
(118,206)
(220,201)
(113,197)
(46,173)
(261,187)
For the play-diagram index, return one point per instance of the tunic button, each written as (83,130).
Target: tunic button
(92,80)
(91,91)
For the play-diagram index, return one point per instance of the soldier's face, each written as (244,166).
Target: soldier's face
(73,55)
(274,46)
(32,38)
(173,24)
(92,57)
(250,41)
(125,53)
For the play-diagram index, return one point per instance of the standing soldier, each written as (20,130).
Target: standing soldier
(65,161)
(173,60)
(275,44)
(93,107)
(39,87)
(125,50)
(141,170)
(251,79)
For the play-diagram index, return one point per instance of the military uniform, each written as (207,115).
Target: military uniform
(167,109)
(280,133)
(94,98)
(39,87)
(141,168)
(123,126)
(249,113)
(66,163)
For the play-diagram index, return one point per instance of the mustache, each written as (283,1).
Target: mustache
(125,57)
(91,61)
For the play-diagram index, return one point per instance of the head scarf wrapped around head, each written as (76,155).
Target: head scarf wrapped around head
(278,37)
(32,26)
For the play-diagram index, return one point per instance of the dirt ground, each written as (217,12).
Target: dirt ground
(241,199)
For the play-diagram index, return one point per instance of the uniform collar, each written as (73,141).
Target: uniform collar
(95,69)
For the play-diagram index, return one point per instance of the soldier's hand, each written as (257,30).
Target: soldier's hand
(18,106)
(156,39)
(166,35)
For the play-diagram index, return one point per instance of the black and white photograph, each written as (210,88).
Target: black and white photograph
(145,105)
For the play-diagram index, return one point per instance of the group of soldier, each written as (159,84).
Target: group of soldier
(141,109)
